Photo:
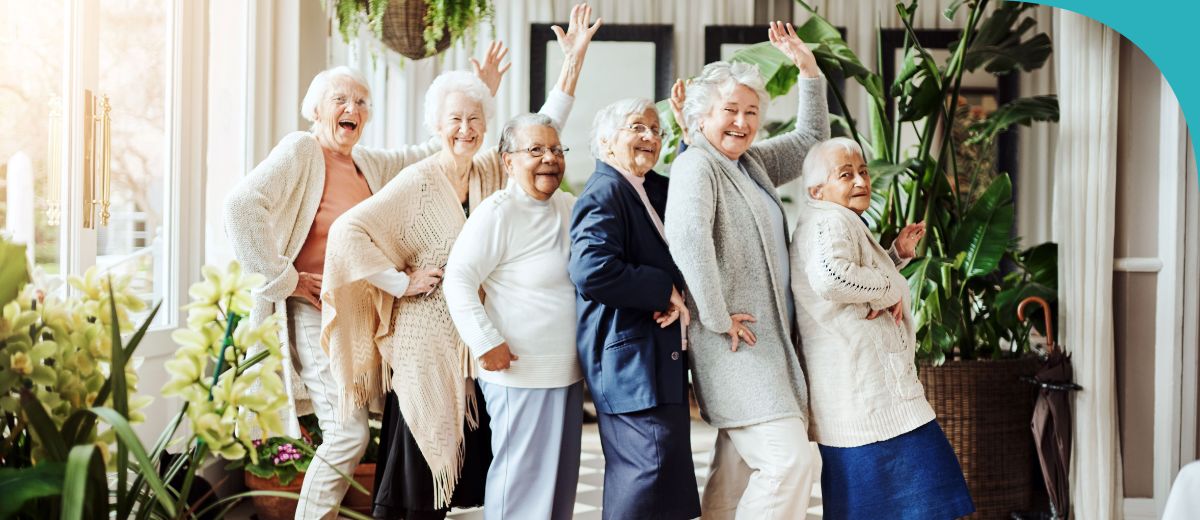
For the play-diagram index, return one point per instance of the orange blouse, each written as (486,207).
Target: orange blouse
(344,187)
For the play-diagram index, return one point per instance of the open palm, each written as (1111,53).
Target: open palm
(574,42)
(783,37)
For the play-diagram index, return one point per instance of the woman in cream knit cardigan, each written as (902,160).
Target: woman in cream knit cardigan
(381,337)
(277,219)
(883,454)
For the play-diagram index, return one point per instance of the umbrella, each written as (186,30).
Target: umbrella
(1051,422)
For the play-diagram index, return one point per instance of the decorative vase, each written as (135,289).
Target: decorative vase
(280,508)
(985,410)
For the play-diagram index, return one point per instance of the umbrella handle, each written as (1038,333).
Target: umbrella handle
(1045,314)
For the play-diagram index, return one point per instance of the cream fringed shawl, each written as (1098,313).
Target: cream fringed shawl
(411,223)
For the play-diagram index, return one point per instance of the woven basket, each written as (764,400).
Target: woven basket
(404,27)
(986,410)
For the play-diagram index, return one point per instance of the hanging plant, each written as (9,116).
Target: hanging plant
(414,28)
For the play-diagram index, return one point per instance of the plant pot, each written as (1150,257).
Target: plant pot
(280,508)
(274,508)
(404,28)
(985,410)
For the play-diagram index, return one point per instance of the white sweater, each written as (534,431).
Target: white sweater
(516,249)
(862,381)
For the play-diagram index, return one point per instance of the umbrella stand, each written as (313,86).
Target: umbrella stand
(1051,423)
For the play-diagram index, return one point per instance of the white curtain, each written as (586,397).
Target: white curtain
(1084,207)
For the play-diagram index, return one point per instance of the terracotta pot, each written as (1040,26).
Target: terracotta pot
(280,508)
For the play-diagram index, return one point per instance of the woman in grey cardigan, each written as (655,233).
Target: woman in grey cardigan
(727,233)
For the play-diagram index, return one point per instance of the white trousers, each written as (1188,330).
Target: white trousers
(536,439)
(344,442)
(761,472)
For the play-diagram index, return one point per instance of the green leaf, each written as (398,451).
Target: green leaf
(1020,111)
(43,427)
(14,272)
(998,45)
(983,235)
(20,485)
(952,9)
(85,469)
(775,67)
(130,440)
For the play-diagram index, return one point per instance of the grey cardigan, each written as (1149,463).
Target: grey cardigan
(718,228)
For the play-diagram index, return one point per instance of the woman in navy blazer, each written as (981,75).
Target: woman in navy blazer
(630,307)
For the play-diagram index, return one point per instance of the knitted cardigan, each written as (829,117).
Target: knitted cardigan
(267,218)
(718,228)
(862,380)
(413,222)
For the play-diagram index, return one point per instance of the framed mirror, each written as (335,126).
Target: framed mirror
(623,61)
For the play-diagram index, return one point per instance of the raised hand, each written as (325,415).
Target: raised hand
(678,96)
(574,42)
(783,37)
(491,72)
(907,240)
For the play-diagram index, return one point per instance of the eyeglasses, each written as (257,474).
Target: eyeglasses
(538,151)
(641,129)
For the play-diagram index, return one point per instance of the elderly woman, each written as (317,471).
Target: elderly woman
(883,453)
(514,249)
(386,331)
(278,219)
(726,230)
(631,317)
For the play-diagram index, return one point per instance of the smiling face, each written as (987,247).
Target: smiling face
(461,124)
(848,183)
(538,176)
(341,114)
(731,124)
(635,152)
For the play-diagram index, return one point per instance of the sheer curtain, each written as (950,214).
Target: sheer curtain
(1084,208)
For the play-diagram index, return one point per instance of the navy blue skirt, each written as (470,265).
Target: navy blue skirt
(914,476)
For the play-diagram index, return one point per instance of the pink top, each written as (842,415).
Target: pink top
(638,183)
(345,187)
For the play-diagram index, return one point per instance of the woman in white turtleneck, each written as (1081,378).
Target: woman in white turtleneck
(522,333)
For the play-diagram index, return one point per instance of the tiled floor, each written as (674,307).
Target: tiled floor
(591,474)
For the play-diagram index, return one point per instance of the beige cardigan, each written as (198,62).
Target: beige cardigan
(862,380)
(411,223)
(267,218)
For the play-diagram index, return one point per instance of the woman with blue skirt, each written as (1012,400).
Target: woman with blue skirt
(883,453)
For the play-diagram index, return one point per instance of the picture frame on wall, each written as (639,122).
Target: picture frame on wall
(623,61)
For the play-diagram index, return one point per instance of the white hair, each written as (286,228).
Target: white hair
(610,119)
(716,81)
(816,162)
(320,85)
(508,136)
(455,81)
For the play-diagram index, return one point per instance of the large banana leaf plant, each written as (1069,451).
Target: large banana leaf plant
(970,273)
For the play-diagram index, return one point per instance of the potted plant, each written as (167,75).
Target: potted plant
(970,274)
(282,462)
(414,28)
(67,364)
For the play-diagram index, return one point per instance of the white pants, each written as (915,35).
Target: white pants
(344,442)
(536,439)
(761,472)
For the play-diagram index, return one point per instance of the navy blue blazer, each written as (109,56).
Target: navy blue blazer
(623,273)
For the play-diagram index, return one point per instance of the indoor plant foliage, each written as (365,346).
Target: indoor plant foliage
(444,21)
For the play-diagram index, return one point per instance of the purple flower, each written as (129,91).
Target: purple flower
(276,460)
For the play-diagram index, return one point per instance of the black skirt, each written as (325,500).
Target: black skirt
(403,481)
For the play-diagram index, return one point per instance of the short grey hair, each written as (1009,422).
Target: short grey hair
(508,136)
(320,85)
(717,80)
(816,162)
(455,81)
(610,119)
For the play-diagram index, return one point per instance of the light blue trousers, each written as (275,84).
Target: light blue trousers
(536,435)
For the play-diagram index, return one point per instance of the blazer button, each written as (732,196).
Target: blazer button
(674,356)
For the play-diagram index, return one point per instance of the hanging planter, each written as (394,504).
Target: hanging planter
(414,28)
